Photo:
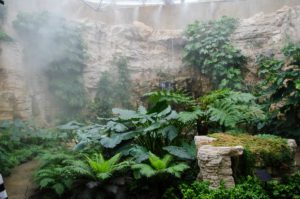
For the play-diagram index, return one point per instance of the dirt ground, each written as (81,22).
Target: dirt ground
(19,184)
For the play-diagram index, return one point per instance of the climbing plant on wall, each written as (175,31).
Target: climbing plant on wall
(123,84)
(113,90)
(209,49)
(104,99)
(55,46)
(279,91)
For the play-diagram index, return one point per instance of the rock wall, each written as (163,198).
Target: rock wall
(153,55)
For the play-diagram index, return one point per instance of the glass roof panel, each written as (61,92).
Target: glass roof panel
(139,2)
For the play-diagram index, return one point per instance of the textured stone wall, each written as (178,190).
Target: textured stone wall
(153,55)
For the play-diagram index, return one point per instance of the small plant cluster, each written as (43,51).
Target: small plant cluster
(5,37)
(279,91)
(209,49)
(112,93)
(74,175)
(59,53)
(251,188)
(20,142)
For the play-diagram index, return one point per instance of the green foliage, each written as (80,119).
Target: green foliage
(103,169)
(65,172)
(5,37)
(20,142)
(159,166)
(150,130)
(230,108)
(112,90)
(189,117)
(54,173)
(208,48)
(288,187)
(279,92)
(61,56)
(104,99)
(123,85)
(185,151)
(249,189)
(159,100)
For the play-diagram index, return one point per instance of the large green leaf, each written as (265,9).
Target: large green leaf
(170,132)
(185,152)
(111,142)
(125,114)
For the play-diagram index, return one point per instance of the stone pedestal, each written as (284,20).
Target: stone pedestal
(215,162)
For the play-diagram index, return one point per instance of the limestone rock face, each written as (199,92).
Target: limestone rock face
(153,55)
(266,34)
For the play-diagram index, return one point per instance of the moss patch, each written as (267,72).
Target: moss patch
(267,150)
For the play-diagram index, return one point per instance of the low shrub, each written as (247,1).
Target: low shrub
(249,189)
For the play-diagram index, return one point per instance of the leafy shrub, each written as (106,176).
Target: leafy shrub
(279,92)
(104,100)
(20,142)
(230,109)
(250,189)
(208,48)
(112,91)
(5,37)
(70,175)
(288,187)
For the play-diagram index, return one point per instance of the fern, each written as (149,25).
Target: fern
(225,113)
(190,117)
(230,108)
(159,166)
(103,169)
(170,97)
(214,96)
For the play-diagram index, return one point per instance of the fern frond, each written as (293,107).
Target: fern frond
(177,169)
(239,97)
(144,169)
(189,117)
(170,97)
(224,112)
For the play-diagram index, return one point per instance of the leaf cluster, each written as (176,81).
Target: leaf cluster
(209,49)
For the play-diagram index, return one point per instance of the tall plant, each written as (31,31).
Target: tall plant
(209,49)
(123,84)
(104,100)
(279,91)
